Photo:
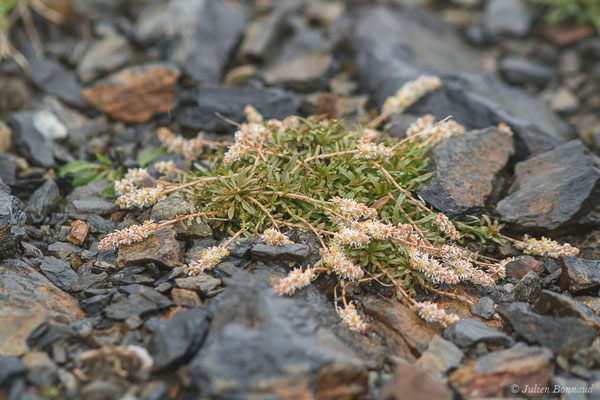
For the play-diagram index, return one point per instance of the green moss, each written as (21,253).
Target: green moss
(578,11)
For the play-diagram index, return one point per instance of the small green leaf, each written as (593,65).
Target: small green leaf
(146,157)
(109,191)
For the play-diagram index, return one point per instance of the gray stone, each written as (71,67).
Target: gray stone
(201,33)
(579,274)
(146,300)
(85,200)
(558,304)
(205,284)
(171,207)
(29,141)
(528,288)
(288,252)
(104,56)
(554,191)
(100,225)
(440,357)
(10,369)
(12,221)
(63,250)
(507,17)
(8,168)
(58,272)
(305,71)
(467,332)
(484,308)
(43,201)
(521,71)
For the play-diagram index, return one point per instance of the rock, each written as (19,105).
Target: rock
(203,283)
(103,56)
(491,375)
(161,247)
(305,71)
(52,78)
(200,34)
(5,137)
(85,200)
(409,382)
(521,71)
(465,170)
(294,252)
(135,94)
(140,303)
(262,33)
(564,101)
(528,288)
(27,299)
(100,225)
(95,304)
(468,332)
(507,17)
(260,344)
(79,232)
(42,370)
(197,108)
(440,357)
(12,220)
(559,304)
(49,126)
(562,335)
(11,368)
(548,196)
(484,308)
(43,201)
(29,141)
(58,272)
(519,267)
(185,298)
(17,94)
(176,340)
(171,207)
(63,250)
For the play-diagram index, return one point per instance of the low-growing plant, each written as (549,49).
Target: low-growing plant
(579,11)
(353,189)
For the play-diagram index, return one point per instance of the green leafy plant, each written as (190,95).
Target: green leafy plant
(579,11)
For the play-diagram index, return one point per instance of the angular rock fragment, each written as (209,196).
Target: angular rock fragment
(294,252)
(467,332)
(410,382)
(85,200)
(43,201)
(12,220)
(564,306)
(528,288)
(519,267)
(142,301)
(507,17)
(440,357)
(174,206)
(29,141)
(58,272)
(79,232)
(161,247)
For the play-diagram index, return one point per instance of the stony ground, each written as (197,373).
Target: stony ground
(76,323)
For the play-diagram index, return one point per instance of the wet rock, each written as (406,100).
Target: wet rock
(564,306)
(27,298)
(176,340)
(197,108)
(553,191)
(579,274)
(521,71)
(12,220)
(260,343)
(203,283)
(135,94)
(491,375)
(11,368)
(528,288)
(58,272)
(43,201)
(174,206)
(288,252)
(105,55)
(85,200)
(441,356)
(185,298)
(304,71)
(466,168)
(29,141)
(414,383)
(468,332)
(507,17)
(100,225)
(142,302)
(161,247)
(79,232)
(562,335)
(200,34)
(519,267)
(484,308)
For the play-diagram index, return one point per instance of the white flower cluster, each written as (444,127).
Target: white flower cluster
(546,247)
(190,149)
(352,237)
(335,258)
(273,237)
(420,125)
(410,92)
(372,151)
(353,210)
(296,279)
(432,313)
(208,259)
(466,271)
(425,128)
(139,198)
(352,318)
(165,167)
(249,135)
(132,234)
(431,267)
(498,270)
(137,175)
(369,135)
(446,226)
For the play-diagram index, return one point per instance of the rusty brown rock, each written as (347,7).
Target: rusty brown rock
(27,298)
(160,247)
(79,232)
(135,94)
(185,298)
(521,266)
(410,382)
(492,374)
(466,168)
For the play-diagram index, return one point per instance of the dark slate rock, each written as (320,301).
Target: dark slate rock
(564,306)
(30,143)
(521,71)
(393,47)
(51,77)
(440,357)
(85,200)
(507,17)
(484,308)
(197,108)
(12,220)
(200,34)
(466,168)
(145,301)
(528,288)
(289,252)
(100,225)
(467,332)
(4,188)
(8,168)
(10,369)
(176,340)
(554,191)
(63,250)
(95,304)
(579,274)
(519,267)
(43,201)
(562,335)
(58,272)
